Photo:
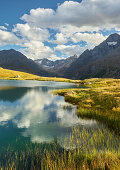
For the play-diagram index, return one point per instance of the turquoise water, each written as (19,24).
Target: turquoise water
(30,113)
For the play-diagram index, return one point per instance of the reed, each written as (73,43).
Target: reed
(82,149)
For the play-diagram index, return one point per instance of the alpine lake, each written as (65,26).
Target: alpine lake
(34,122)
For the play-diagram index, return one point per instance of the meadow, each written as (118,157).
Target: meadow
(6,74)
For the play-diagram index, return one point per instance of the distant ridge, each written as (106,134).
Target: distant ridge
(57,66)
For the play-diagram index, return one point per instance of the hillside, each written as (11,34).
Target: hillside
(17,75)
(107,67)
(10,74)
(14,60)
(91,62)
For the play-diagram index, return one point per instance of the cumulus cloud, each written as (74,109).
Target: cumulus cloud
(33,38)
(71,21)
(8,38)
(89,38)
(31,33)
(3,28)
(75,37)
(7,24)
(36,49)
(87,13)
(70,50)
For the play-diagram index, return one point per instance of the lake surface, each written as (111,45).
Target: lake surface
(30,112)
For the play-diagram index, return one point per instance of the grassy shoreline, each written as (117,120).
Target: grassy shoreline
(101,101)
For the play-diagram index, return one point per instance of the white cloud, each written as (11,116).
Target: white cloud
(36,49)
(71,21)
(60,39)
(87,13)
(89,38)
(76,37)
(3,28)
(7,24)
(33,41)
(31,33)
(70,50)
(8,38)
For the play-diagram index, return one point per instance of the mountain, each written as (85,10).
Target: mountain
(88,63)
(58,66)
(45,62)
(106,67)
(102,61)
(14,60)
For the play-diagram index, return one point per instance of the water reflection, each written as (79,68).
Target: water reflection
(40,115)
(12,94)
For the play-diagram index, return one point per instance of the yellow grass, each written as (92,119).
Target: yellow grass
(100,101)
(17,75)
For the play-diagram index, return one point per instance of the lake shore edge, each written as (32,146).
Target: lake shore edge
(99,100)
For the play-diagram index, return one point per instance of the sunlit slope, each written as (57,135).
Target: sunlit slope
(17,75)
(10,74)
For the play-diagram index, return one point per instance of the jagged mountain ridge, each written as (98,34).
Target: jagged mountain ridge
(78,69)
(106,67)
(57,66)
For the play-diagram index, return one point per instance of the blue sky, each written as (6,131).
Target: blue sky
(55,29)
(12,10)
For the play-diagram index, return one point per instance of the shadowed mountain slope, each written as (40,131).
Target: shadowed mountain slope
(84,66)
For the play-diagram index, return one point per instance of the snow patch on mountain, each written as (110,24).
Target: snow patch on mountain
(112,43)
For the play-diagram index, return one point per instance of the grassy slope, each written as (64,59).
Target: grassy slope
(17,75)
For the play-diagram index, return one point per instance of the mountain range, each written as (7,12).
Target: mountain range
(101,62)
(57,66)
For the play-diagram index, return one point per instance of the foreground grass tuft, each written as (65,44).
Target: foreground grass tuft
(81,150)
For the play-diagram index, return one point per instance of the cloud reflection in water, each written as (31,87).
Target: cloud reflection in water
(42,116)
